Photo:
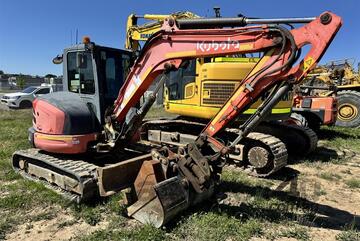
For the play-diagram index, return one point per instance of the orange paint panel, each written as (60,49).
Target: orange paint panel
(49,119)
(67,144)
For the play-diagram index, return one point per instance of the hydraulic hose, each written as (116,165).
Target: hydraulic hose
(277,93)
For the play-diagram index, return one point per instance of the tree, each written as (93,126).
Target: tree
(20,81)
(1,72)
(50,76)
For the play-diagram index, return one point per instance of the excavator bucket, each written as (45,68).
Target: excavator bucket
(156,200)
(155,192)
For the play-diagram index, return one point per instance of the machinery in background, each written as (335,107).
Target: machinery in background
(86,144)
(136,33)
(317,110)
(341,74)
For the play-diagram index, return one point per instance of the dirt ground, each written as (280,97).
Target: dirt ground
(63,226)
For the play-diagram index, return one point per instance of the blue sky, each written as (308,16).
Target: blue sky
(33,32)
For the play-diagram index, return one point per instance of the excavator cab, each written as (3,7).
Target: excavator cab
(92,78)
(96,74)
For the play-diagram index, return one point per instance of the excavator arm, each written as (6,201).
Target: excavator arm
(168,48)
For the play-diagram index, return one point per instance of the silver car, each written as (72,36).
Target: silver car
(25,98)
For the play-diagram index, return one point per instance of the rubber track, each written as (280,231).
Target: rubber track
(312,136)
(306,131)
(276,147)
(289,134)
(81,171)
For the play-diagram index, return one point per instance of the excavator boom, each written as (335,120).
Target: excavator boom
(170,46)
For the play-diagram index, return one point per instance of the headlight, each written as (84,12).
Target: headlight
(15,97)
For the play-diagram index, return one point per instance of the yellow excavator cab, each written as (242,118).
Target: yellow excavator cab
(201,87)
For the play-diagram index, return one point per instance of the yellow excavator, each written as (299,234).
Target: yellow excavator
(198,89)
(340,73)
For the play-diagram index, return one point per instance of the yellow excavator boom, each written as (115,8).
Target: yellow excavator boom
(136,33)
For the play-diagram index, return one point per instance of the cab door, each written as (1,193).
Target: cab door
(80,77)
(113,68)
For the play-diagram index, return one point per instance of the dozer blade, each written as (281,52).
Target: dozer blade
(157,200)
(116,177)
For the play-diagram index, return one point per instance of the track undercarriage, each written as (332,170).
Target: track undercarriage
(262,153)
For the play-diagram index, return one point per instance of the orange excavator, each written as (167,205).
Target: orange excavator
(84,146)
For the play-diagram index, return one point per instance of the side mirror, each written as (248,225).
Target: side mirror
(58,59)
(81,60)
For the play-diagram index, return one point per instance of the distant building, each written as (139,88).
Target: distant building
(56,80)
(4,83)
(8,81)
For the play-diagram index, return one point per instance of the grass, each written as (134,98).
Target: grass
(252,209)
(158,111)
(329,176)
(13,136)
(348,138)
(353,183)
(351,235)
(217,226)
(345,140)
(320,192)
(144,233)
(19,196)
(296,232)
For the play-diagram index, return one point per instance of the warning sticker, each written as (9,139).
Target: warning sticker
(307,63)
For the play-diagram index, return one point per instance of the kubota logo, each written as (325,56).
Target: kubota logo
(205,46)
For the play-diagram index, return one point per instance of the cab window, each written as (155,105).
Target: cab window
(112,85)
(178,79)
(81,79)
(113,72)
